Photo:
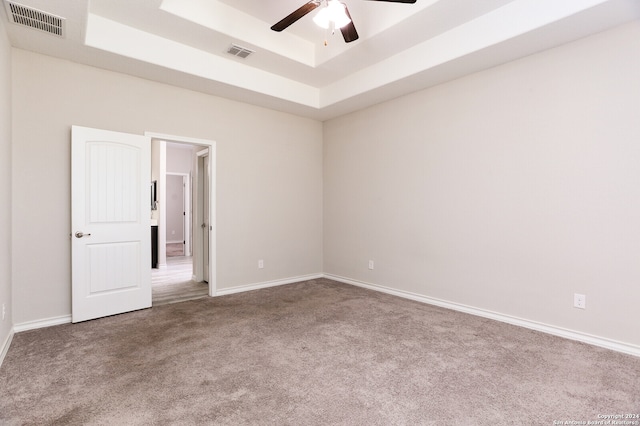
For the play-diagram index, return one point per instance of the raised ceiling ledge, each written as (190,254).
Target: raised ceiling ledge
(113,37)
(224,19)
(520,28)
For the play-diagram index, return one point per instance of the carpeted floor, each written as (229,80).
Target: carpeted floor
(316,352)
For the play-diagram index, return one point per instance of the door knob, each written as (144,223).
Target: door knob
(82,234)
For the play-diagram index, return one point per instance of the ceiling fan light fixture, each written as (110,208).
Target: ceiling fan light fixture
(335,13)
(322,18)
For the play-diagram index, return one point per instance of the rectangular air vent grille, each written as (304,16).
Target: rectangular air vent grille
(34,18)
(239,51)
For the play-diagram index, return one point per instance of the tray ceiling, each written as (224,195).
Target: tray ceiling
(402,47)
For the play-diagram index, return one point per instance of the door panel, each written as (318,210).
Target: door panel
(207,225)
(113,266)
(111,241)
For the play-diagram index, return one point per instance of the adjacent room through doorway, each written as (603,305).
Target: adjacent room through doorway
(180,212)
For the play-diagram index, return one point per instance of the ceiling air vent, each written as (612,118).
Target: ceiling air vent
(239,51)
(34,18)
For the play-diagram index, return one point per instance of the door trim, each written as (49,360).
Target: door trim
(199,216)
(211,146)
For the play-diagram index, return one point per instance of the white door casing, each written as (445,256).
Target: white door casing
(111,233)
(198,211)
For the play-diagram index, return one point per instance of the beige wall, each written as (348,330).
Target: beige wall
(269,174)
(508,190)
(5,185)
(180,158)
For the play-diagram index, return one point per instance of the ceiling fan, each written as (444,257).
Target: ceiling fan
(334,15)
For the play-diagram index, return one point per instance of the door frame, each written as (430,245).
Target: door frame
(211,146)
(200,218)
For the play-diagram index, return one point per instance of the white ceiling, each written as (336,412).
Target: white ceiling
(402,47)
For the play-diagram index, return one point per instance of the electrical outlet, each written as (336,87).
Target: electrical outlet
(579,301)
(260,264)
(371,264)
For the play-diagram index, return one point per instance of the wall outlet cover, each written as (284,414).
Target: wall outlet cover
(579,301)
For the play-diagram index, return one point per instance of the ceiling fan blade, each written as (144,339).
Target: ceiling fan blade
(398,1)
(349,31)
(293,17)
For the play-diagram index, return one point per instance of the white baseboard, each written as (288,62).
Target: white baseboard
(533,325)
(603,342)
(65,319)
(257,286)
(47,322)
(5,346)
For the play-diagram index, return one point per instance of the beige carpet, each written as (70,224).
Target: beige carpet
(311,353)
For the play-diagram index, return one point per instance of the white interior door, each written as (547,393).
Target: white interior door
(110,218)
(206,227)
(186,180)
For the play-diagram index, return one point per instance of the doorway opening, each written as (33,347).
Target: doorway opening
(185,217)
(178,224)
